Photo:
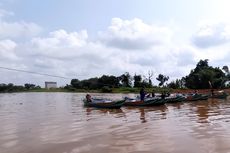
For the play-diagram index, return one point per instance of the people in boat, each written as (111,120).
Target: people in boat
(168,94)
(195,92)
(153,93)
(163,95)
(142,94)
(148,95)
(212,92)
(88,98)
(179,94)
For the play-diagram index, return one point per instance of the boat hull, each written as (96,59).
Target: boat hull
(150,102)
(196,97)
(219,96)
(110,105)
(175,99)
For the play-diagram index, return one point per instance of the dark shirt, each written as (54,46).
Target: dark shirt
(142,94)
(163,95)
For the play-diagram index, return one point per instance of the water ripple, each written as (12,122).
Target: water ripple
(58,122)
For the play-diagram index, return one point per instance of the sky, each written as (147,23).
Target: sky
(85,38)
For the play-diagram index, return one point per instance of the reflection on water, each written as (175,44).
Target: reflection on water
(58,123)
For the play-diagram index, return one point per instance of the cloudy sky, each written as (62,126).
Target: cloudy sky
(89,38)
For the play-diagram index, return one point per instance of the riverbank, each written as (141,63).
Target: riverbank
(121,90)
(110,90)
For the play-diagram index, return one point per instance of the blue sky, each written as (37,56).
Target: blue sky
(96,15)
(89,38)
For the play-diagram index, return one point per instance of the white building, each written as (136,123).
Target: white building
(49,85)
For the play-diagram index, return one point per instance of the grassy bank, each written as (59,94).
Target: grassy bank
(103,90)
(110,90)
(119,90)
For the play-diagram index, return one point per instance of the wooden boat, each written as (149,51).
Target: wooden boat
(196,97)
(174,99)
(146,102)
(219,95)
(103,103)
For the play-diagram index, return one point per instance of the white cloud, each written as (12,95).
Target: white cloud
(184,55)
(133,45)
(4,13)
(61,39)
(7,50)
(66,54)
(72,54)
(212,40)
(212,34)
(134,34)
(18,29)
(125,46)
(60,44)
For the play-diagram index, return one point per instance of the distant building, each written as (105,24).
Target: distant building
(49,85)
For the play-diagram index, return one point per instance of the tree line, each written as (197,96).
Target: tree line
(202,76)
(110,81)
(15,88)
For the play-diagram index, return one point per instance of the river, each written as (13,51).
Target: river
(58,123)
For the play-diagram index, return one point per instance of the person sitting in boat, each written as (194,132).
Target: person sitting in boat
(195,92)
(88,98)
(148,95)
(212,92)
(142,94)
(179,94)
(168,94)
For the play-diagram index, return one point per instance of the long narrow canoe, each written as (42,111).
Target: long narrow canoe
(174,99)
(104,103)
(196,97)
(146,102)
(223,95)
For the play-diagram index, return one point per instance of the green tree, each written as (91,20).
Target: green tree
(203,75)
(91,83)
(110,81)
(150,75)
(29,86)
(162,79)
(202,64)
(145,83)
(178,84)
(10,88)
(75,83)
(137,80)
(3,87)
(126,79)
(227,72)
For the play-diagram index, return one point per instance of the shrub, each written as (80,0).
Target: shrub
(106,89)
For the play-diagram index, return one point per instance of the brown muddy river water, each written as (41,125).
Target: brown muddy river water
(58,123)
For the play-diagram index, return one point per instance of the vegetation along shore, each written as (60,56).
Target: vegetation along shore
(203,77)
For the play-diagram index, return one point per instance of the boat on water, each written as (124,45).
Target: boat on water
(103,103)
(219,95)
(196,97)
(174,99)
(153,101)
